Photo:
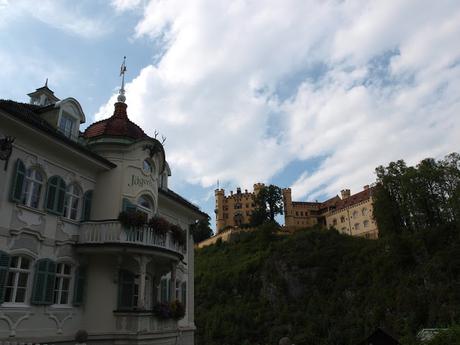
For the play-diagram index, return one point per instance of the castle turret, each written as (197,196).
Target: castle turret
(288,209)
(258,187)
(345,193)
(219,210)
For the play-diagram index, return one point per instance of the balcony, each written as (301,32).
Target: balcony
(142,322)
(111,232)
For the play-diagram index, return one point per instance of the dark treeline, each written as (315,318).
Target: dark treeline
(324,288)
(411,199)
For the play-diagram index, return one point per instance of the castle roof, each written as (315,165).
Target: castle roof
(354,199)
(118,125)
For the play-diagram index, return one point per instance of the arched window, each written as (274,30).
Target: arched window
(364,211)
(145,205)
(32,188)
(366,223)
(356,226)
(17,280)
(355,214)
(342,219)
(72,202)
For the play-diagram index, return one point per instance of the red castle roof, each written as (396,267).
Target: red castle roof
(117,125)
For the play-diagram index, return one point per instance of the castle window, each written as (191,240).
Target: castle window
(301,213)
(17,280)
(72,202)
(355,214)
(364,211)
(334,221)
(342,219)
(366,223)
(296,213)
(62,284)
(356,226)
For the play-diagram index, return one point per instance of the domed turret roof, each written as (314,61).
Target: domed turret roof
(118,125)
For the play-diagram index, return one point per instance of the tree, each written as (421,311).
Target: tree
(269,203)
(201,230)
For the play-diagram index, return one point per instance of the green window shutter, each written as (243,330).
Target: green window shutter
(125,290)
(79,286)
(128,206)
(163,291)
(60,197)
(4,266)
(87,201)
(184,293)
(43,289)
(18,181)
(55,195)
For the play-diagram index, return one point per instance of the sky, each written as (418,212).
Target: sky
(311,95)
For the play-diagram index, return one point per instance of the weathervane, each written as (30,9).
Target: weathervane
(121,96)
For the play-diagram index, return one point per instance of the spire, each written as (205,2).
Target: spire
(46,82)
(121,94)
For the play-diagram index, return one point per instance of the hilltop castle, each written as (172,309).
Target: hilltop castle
(350,214)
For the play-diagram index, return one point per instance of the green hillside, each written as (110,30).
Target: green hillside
(320,287)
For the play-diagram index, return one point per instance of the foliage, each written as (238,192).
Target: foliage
(450,336)
(178,234)
(177,310)
(269,203)
(174,310)
(201,230)
(160,225)
(137,219)
(134,219)
(325,288)
(409,199)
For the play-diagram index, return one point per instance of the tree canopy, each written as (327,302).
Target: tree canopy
(201,230)
(268,204)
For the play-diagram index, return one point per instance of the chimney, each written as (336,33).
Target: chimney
(345,193)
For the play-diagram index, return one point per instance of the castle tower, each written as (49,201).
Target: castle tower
(258,187)
(219,210)
(345,193)
(288,208)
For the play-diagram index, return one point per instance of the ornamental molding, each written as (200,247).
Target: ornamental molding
(13,319)
(59,318)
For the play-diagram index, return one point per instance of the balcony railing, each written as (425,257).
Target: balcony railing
(112,232)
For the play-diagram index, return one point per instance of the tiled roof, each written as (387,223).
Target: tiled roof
(30,114)
(354,199)
(117,125)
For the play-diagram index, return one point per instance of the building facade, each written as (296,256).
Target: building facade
(349,214)
(68,261)
(235,209)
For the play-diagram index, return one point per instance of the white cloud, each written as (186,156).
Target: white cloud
(389,87)
(67,16)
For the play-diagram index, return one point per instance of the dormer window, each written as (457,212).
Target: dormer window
(67,125)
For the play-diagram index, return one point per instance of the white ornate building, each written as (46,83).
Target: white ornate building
(66,262)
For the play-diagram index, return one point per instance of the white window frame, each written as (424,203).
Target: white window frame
(73,193)
(16,271)
(32,188)
(59,282)
(67,124)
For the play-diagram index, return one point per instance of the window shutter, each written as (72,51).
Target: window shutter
(79,287)
(4,266)
(60,197)
(125,290)
(164,291)
(55,195)
(128,206)
(184,292)
(18,181)
(87,200)
(43,289)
